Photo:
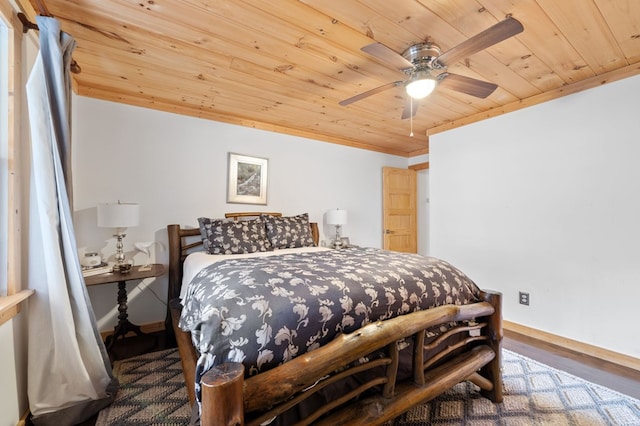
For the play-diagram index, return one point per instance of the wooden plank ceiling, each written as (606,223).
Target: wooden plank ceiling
(284,65)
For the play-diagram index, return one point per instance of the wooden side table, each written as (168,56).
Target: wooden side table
(124,326)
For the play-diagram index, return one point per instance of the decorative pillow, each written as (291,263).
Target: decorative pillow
(206,226)
(226,236)
(289,232)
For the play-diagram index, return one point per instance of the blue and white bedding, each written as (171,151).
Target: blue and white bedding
(265,310)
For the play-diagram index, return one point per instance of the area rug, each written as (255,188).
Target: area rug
(152,393)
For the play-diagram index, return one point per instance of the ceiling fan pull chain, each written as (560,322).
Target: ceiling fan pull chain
(411,118)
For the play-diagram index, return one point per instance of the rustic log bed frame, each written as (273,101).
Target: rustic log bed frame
(230,399)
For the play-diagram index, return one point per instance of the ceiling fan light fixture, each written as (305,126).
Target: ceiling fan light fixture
(421,85)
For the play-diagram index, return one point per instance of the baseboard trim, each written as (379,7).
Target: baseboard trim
(574,345)
(151,327)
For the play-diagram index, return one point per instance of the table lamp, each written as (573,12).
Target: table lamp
(119,216)
(337,217)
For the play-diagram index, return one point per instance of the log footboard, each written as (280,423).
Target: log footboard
(476,358)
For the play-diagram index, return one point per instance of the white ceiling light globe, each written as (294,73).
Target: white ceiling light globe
(421,87)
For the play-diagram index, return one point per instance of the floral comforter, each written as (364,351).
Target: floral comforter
(265,311)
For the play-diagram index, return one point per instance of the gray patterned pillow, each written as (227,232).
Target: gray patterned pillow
(226,236)
(289,232)
(206,226)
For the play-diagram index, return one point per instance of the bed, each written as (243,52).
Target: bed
(308,335)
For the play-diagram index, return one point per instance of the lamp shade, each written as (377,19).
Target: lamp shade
(337,217)
(118,215)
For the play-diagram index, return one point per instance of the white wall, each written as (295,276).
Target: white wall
(176,168)
(546,200)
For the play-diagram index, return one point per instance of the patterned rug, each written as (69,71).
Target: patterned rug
(152,393)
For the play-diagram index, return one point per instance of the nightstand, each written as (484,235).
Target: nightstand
(124,325)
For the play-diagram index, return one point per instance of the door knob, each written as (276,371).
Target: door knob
(389,231)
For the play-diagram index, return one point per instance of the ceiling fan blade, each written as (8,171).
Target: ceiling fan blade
(468,85)
(387,54)
(410,107)
(370,92)
(487,38)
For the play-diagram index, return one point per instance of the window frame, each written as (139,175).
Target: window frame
(12,296)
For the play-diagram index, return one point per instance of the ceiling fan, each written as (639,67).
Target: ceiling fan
(426,66)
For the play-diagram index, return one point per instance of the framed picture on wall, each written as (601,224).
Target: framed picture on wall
(247,179)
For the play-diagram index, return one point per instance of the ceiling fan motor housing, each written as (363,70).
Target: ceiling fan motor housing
(423,55)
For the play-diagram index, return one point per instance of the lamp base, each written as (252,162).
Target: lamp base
(122,268)
(337,242)
(121,265)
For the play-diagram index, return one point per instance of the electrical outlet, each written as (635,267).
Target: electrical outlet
(524,298)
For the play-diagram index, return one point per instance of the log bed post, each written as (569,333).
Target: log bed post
(222,396)
(175,275)
(188,356)
(492,371)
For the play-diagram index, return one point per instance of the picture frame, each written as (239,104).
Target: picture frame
(248,179)
(345,242)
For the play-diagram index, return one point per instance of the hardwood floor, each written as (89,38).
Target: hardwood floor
(619,378)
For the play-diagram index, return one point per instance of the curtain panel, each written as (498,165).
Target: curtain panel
(69,374)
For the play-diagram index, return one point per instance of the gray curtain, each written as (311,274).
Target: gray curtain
(69,374)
